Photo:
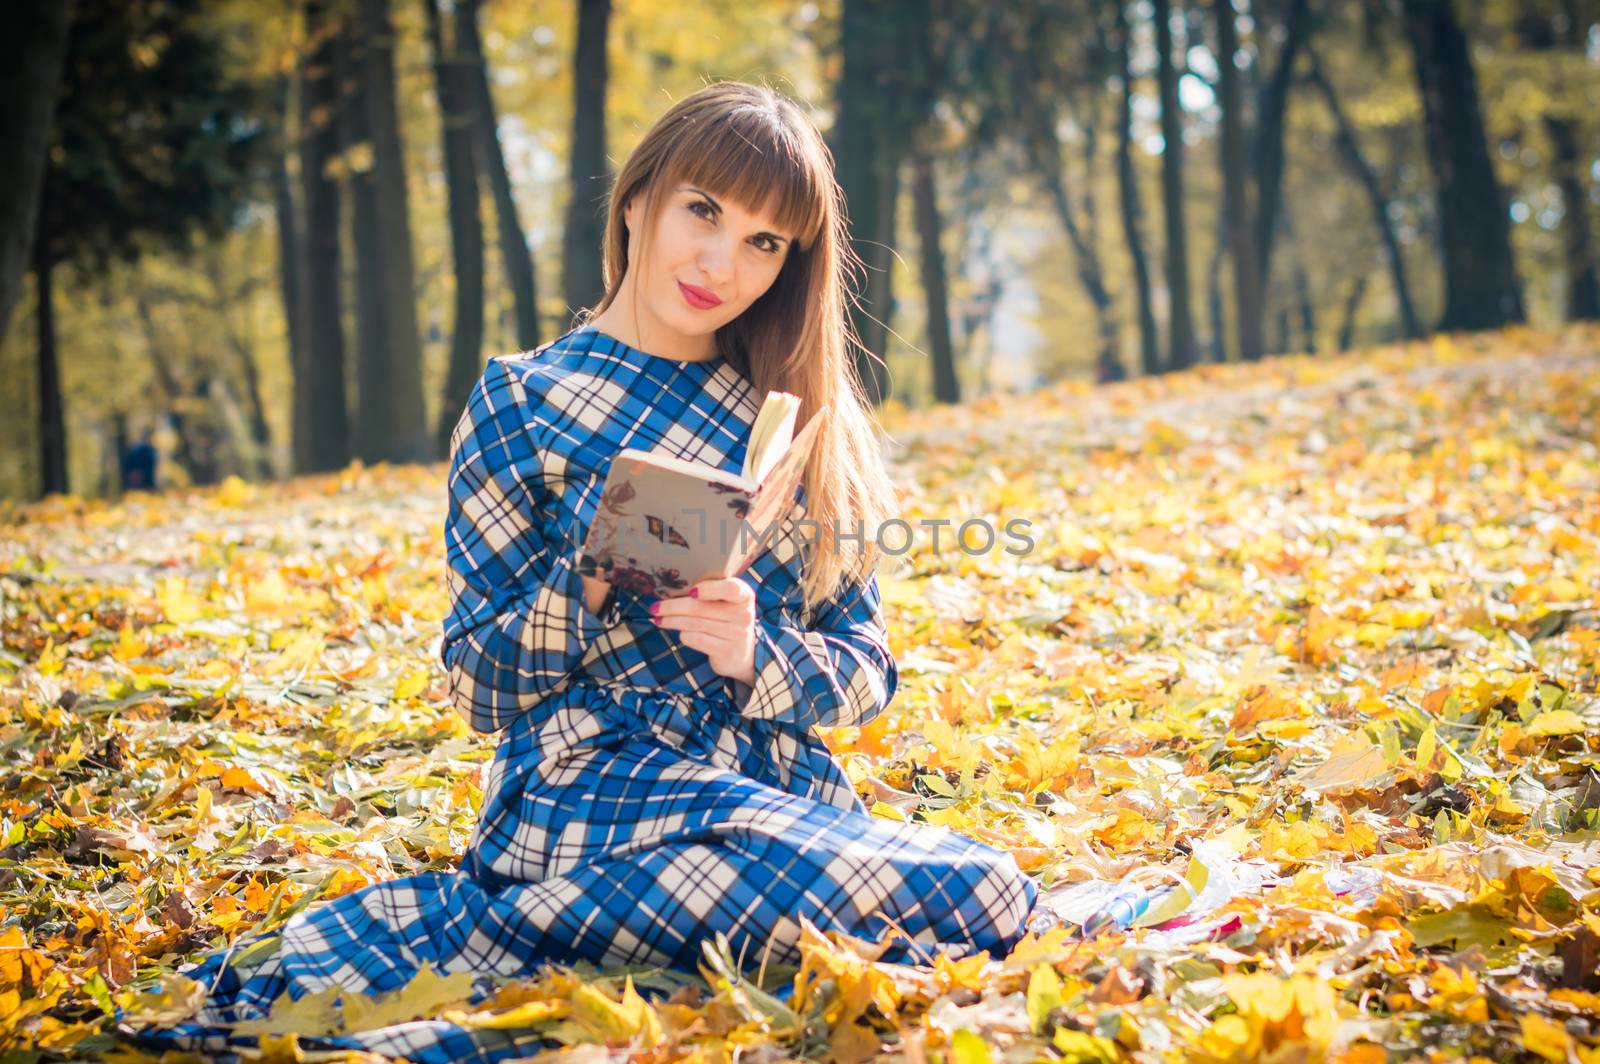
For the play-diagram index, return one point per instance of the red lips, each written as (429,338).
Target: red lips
(698,298)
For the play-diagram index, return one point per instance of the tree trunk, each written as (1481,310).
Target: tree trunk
(466,226)
(1583,287)
(260,429)
(1047,162)
(119,447)
(1352,303)
(946,386)
(1481,287)
(319,391)
(371,325)
(1538,31)
(582,271)
(292,289)
(868,151)
(1350,149)
(1219,325)
(1273,111)
(52,419)
(1128,188)
(30,70)
(1236,194)
(171,388)
(491,160)
(1180,326)
(393,426)
(880,372)
(224,304)
(1308,309)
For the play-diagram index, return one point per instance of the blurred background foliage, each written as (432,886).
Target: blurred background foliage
(275,236)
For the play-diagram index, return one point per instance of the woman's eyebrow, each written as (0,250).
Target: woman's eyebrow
(717,208)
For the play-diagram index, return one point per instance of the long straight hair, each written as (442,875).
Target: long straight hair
(755,147)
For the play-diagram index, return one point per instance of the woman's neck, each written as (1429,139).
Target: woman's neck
(630,320)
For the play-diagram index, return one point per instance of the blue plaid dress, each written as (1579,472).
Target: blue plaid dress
(638,802)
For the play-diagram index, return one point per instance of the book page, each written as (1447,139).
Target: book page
(776,494)
(770,434)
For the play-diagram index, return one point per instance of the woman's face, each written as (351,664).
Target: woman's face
(705,262)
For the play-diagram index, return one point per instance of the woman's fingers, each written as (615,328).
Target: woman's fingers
(729,627)
(719,620)
(723,599)
(723,589)
(723,608)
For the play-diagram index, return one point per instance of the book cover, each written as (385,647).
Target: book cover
(663,524)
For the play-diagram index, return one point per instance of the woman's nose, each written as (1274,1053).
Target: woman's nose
(716,261)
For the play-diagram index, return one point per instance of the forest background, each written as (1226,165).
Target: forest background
(283,236)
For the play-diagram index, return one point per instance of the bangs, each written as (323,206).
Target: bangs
(752,157)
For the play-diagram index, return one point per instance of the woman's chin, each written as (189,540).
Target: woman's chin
(693,323)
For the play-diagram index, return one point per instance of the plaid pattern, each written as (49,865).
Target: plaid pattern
(638,802)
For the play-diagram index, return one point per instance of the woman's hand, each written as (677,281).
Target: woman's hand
(717,618)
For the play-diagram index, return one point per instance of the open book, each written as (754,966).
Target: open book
(663,523)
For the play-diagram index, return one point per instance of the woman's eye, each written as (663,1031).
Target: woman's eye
(701,205)
(768,245)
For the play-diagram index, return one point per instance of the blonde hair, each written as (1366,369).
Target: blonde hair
(749,144)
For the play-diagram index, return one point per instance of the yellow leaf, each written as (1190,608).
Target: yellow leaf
(1128,829)
(426,994)
(616,1020)
(176,602)
(955,974)
(1081,1047)
(1557,722)
(268,593)
(312,1015)
(73,755)
(234,492)
(1289,842)
(20,965)
(1545,1038)
(1427,746)
(174,999)
(887,811)
(304,649)
(128,645)
(1044,994)
(411,683)
(968,1048)
(1352,762)
(50,659)
(527,1014)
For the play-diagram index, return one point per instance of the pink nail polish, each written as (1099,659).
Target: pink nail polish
(694,592)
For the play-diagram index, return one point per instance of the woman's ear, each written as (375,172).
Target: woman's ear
(629,211)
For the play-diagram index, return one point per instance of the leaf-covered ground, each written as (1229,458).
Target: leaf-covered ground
(1320,636)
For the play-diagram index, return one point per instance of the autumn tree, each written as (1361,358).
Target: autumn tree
(582,276)
(452,78)
(1480,277)
(491,164)
(30,69)
(1128,199)
(391,426)
(322,430)
(154,139)
(881,103)
(1181,351)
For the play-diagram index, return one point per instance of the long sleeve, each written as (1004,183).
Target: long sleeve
(518,625)
(836,672)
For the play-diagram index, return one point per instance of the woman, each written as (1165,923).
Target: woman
(657,778)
